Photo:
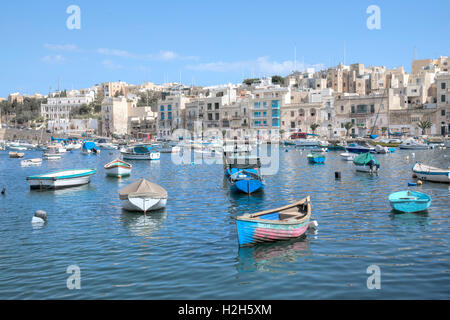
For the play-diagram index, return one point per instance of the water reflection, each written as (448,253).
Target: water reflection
(144,226)
(410,219)
(269,257)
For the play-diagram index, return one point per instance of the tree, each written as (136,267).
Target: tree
(348,126)
(314,127)
(424,125)
(249,82)
(278,80)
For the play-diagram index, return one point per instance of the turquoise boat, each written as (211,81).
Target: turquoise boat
(410,201)
(316,158)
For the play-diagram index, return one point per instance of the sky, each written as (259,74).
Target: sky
(206,42)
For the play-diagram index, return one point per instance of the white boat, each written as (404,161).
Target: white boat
(17,148)
(61,179)
(412,144)
(104,144)
(52,153)
(348,156)
(428,173)
(139,153)
(307,143)
(118,168)
(381,150)
(447,144)
(31,162)
(143,196)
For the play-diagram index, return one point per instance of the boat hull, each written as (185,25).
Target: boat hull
(118,171)
(316,159)
(136,206)
(247,186)
(250,232)
(366,169)
(409,202)
(58,183)
(442,176)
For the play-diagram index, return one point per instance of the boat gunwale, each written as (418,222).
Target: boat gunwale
(113,164)
(43,176)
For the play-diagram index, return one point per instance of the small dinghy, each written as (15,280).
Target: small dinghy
(246,181)
(348,156)
(16,155)
(52,153)
(410,201)
(316,158)
(31,162)
(427,173)
(143,196)
(90,147)
(61,179)
(285,223)
(366,163)
(139,153)
(118,168)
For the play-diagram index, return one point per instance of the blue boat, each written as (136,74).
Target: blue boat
(316,158)
(357,148)
(281,224)
(246,181)
(410,201)
(90,147)
(244,174)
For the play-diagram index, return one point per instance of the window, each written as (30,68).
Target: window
(161,108)
(209,106)
(353,109)
(275,104)
(275,122)
(442,112)
(443,98)
(372,108)
(216,105)
(169,115)
(342,108)
(292,125)
(210,116)
(292,113)
(217,116)
(256,105)
(313,112)
(169,107)
(443,85)
(265,104)
(276,113)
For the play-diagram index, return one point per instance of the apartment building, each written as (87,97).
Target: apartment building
(171,114)
(114,89)
(57,110)
(443,103)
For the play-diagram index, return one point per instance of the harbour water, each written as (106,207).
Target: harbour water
(190,251)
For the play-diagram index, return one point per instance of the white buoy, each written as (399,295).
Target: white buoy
(313,225)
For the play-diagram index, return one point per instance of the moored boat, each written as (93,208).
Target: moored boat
(118,168)
(139,153)
(428,173)
(143,196)
(366,163)
(61,179)
(246,181)
(316,158)
(409,201)
(16,155)
(413,144)
(348,156)
(357,148)
(31,162)
(285,223)
(90,147)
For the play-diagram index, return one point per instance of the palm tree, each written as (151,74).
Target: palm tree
(348,126)
(424,125)
(314,127)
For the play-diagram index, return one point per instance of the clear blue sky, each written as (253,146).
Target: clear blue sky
(207,42)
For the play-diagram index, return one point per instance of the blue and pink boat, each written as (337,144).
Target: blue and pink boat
(281,224)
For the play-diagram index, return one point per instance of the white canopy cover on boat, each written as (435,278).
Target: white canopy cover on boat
(143,188)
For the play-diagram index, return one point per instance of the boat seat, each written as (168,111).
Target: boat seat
(285,215)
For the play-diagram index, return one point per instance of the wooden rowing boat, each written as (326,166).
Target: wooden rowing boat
(118,168)
(428,173)
(285,223)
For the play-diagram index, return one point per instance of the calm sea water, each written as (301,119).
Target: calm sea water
(190,250)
